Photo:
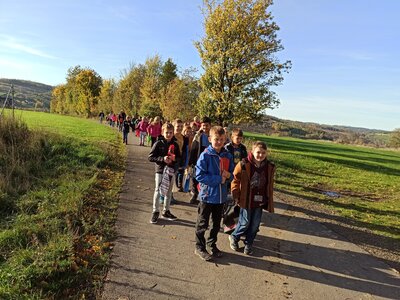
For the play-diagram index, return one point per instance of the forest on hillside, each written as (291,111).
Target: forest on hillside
(27,94)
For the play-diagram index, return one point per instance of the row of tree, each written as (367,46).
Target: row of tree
(238,59)
(149,89)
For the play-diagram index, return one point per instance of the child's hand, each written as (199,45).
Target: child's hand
(223,180)
(167,159)
(226,174)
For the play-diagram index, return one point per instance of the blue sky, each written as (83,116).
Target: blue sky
(345,54)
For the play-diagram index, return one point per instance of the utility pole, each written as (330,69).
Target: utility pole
(12,99)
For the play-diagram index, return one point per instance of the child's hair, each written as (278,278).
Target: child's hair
(259,144)
(206,120)
(177,121)
(217,130)
(167,126)
(237,131)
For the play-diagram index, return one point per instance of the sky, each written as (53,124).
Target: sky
(345,54)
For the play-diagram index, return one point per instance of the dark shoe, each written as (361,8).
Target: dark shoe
(233,243)
(194,200)
(154,217)
(204,255)
(216,252)
(167,215)
(248,250)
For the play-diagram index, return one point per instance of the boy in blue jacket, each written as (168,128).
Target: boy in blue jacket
(213,172)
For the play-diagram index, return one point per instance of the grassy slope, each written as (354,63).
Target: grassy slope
(367,179)
(59,236)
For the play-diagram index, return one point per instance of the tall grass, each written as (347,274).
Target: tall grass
(54,234)
(21,154)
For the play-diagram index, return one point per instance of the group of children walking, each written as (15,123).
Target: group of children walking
(218,168)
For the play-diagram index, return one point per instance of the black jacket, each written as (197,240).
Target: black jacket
(242,148)
(197,148)
(160,150)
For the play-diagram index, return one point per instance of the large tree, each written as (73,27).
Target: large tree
(106,96)
(151,88)
(179,98)
(238,58)
(87,85)
(128,94)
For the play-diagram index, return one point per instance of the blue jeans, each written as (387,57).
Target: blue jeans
(248,224)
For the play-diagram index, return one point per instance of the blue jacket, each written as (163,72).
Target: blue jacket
(208,174)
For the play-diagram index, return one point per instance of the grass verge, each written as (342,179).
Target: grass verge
(56,232)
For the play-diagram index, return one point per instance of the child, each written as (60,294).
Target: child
(142,126)
(238,152)
(252,189)
(154,130)
(200,142)
(125,129)
(165,153)
(189,133)
(183,142)
(228,140)
(213,174)
(235,147)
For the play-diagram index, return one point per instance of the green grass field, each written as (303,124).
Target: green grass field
(366,180)
(55,236)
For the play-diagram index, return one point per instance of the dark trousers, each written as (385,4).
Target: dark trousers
(204,211)
(179,177)
(153,140)
(125,136)
(194,189)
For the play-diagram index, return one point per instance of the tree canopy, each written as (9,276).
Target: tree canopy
(238,58)
(149,89)
(79,96)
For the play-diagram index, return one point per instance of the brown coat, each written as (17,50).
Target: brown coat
(240,185)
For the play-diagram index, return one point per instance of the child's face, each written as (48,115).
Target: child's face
(168,134)
(188,131)
(178,127)
(259,154)
(217,141)
(236,140)
(206,127)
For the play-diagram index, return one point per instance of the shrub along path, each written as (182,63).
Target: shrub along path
(295,257)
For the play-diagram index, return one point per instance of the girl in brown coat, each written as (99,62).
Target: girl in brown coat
(252,189)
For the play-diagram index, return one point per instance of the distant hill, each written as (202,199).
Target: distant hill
(305,130)
(27,94)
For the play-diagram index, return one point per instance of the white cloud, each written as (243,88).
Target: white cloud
(11,43)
